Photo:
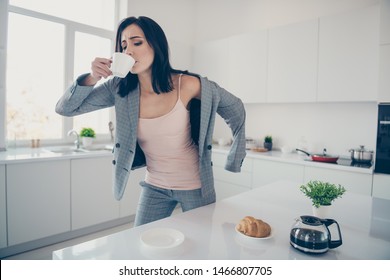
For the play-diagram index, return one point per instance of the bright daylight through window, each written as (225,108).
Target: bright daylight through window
(48,46)
(35,77)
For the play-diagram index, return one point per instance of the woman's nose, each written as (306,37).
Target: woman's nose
(129,51)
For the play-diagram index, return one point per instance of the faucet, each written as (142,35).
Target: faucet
(77,141)
(111,128)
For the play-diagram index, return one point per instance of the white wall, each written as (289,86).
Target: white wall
(177,19)
(3,44)
(336,126)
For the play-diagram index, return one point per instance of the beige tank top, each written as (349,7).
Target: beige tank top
(171,156)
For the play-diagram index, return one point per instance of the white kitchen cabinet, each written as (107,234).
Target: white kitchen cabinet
(248,66)
(352,181)
(268,171)
(211,60)
(292,62)
(384,74)
(92,198)
(229,183)
(224,189)
(237,63)
(349,56)
(381,186)
(38,200)
(385,22)
(3,209)
(129,202)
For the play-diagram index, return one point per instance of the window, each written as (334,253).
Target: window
(97,46)
(35,77)
(49,44)
(99,13)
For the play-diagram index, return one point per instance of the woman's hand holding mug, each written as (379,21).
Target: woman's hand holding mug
(101,68)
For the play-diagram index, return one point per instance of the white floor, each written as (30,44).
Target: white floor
(45,253)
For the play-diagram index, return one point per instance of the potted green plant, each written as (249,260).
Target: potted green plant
(87,134)
(268,142)
(322,194)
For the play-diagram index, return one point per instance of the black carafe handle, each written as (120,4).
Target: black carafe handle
(333,243)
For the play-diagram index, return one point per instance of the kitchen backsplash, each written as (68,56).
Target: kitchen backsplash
(337,127)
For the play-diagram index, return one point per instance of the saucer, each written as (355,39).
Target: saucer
(251,238)
(162,238)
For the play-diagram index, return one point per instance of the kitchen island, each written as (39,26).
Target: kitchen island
(210,230)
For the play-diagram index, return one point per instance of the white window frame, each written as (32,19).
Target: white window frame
(71,28)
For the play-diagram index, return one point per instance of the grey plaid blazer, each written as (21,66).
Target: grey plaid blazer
(127,153)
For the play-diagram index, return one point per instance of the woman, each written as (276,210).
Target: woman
(164,118)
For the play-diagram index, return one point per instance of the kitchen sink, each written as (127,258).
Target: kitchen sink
(98,148)
(65,150)
(74,150)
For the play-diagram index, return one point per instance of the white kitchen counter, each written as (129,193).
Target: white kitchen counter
(210,234)
(19,155)
(23,155)
(296,158)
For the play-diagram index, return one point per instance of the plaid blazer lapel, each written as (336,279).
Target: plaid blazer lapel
(205,113)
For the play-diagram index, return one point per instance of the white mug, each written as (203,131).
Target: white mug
(121,64)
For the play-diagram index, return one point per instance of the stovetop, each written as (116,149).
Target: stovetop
(349,162)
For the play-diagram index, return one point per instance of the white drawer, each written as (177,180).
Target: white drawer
(267,171)
(381,186)
(242,178)
(219,159)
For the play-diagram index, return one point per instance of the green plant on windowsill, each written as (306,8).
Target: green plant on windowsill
(268,139)
(87,132)
(268,142)
(322,193)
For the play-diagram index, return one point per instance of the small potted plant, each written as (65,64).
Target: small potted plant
(87,134)
(322,194)
(268,142)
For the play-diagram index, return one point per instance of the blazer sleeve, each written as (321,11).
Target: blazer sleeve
(79,99)
(232,110)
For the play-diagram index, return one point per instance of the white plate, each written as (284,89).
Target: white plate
(254,238)
(162,238)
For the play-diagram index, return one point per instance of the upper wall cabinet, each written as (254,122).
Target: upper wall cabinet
(292,62)
(385,22)
(211,60)
(384,74)
(349,56)
(248,66)
(238,64)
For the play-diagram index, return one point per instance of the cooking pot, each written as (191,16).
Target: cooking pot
(310,234)
(361,155)
(322,158)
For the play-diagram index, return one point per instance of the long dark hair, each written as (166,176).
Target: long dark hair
(161,67)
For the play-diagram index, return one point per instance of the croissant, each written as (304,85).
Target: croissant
(253,227)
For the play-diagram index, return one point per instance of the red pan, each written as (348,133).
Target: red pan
(322,158)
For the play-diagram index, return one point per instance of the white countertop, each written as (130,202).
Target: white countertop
(24,155)
(210,234)
(296,158)
(19,155)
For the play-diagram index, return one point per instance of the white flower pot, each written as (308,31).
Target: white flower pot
(322,212)
(87,141)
